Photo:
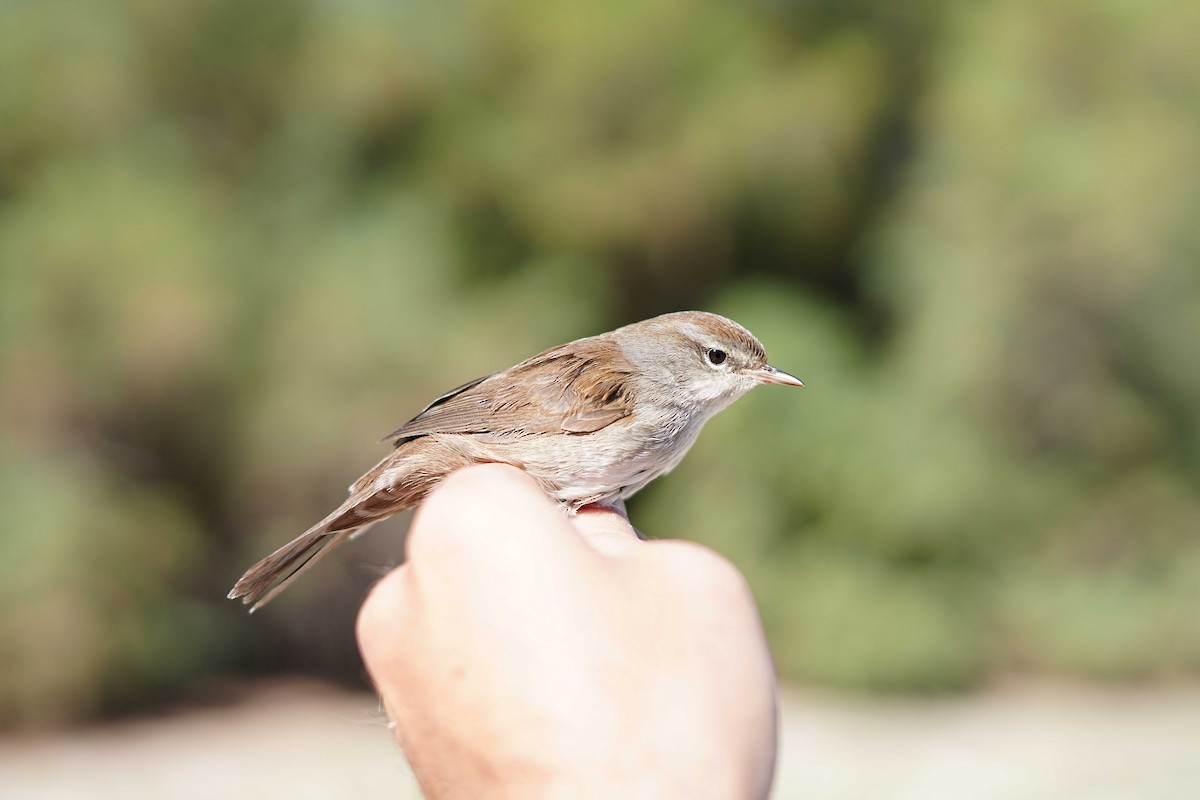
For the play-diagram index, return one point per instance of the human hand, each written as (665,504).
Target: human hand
(525,654)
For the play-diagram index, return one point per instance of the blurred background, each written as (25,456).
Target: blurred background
(241,241)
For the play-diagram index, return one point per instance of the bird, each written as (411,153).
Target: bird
(592,421)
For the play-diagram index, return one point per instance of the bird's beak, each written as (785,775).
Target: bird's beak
(768,374)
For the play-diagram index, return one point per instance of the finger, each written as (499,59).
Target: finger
(606,530)
(476,500)
(488,517)
(619,507)
(381,631)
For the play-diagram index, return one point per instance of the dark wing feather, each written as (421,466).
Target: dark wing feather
(399,434)
(589,421)
(579,387)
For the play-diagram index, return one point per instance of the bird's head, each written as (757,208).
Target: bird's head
(698,359)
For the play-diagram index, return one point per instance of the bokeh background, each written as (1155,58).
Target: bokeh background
(240,241)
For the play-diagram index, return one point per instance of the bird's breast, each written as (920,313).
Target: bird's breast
(606,465)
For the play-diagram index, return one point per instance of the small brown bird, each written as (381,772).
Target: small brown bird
(592,421)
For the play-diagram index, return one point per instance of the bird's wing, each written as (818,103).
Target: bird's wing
(578,388)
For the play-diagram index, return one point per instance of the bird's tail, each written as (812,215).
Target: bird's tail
(398,482)
(263,581)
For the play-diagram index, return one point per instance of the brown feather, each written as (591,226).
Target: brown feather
(398,482)
(573,388)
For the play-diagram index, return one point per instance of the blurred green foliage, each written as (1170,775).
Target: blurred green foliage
(240,241)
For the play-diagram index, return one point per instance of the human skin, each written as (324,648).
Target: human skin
(525,654)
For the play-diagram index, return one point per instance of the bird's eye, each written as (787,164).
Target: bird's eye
(716,356)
